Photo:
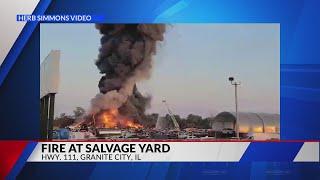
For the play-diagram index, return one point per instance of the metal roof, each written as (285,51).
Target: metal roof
(251,122)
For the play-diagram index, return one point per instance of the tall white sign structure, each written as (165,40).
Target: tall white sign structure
(49,84)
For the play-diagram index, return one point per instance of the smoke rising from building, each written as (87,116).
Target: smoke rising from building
(125,58)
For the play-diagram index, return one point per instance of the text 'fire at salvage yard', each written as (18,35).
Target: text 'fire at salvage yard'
(105,148)
(99,151)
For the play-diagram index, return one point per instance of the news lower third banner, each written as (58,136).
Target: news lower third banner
(173,152)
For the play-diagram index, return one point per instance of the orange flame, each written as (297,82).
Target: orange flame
(109,119)
(112,119)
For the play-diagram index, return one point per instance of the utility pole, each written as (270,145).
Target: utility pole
(236,84)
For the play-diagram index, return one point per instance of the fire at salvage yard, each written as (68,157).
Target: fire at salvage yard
(184,101)
(112,119)
(125,58)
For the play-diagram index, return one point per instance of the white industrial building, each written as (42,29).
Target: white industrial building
(259,125)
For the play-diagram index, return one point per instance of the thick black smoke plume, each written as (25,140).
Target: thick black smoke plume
(125,58)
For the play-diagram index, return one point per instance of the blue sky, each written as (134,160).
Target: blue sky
(190,71)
